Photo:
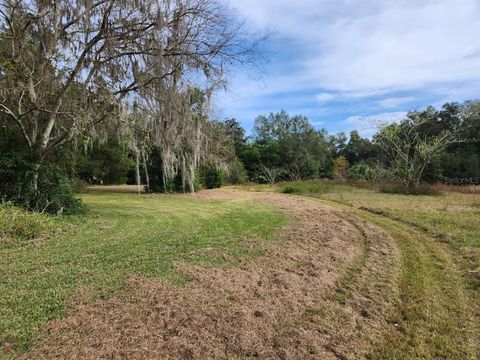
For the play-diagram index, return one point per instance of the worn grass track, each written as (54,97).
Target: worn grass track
(437,312)
(434,314)
(223,275)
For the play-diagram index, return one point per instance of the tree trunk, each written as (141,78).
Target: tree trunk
(147,178)
(36,171)
(137,169)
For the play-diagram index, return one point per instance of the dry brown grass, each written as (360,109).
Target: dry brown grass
(319,292)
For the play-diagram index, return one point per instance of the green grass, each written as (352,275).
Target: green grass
(123,235)
(452,219)
(47,261)
(437,312)
(310,187)
(433,316)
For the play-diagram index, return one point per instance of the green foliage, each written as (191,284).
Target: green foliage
(236,173)
(19,224)
(107,163)
(212,177)
(362,172)
(19,167)
(56,192)
(359,149)
(289,143)
(234,130)
(432,144)
(159,182)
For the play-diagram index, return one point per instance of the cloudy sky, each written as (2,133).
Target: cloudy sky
(344,63)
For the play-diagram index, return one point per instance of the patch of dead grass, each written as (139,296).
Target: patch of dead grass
(279,306)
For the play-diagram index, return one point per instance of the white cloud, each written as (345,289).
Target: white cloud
(377,45)
(325,97)
(395,102)
(367,125)
(369,56)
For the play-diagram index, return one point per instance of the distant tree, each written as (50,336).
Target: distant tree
(107,163)
(338,143)
(303,152)
(359,149)
(341,168)
(409,150)
(236,133)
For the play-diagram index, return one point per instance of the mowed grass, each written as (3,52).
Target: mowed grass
(437,313)
(123,235)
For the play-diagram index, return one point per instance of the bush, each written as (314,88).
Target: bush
(212,177)
(236,173)
(18,224)
(80,186)
(56,193)
(362,172)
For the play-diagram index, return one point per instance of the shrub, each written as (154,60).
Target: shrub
(80,186)
(236,173)
(212,177)
(362,172)
(56,193)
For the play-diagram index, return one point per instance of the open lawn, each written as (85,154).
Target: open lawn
(330,271)
(123,235)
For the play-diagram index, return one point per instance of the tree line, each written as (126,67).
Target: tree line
(113,91)
(430,145)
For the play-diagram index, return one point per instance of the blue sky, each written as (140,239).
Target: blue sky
(349,64)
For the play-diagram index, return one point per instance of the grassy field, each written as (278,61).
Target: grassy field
(46,262)
(123,235)
(438,312)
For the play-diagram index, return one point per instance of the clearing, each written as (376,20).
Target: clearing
(235,274)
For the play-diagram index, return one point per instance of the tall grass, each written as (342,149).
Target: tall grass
(18,224)
(307,187)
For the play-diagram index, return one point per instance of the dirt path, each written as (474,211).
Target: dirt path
(320,292)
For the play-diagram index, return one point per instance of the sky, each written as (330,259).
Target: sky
(349,64)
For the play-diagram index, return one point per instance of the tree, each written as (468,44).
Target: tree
(302,151)
(69,69)
(107,163)
(235,131)
(338,143)
(269,175)
(358,149)
(408,150)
